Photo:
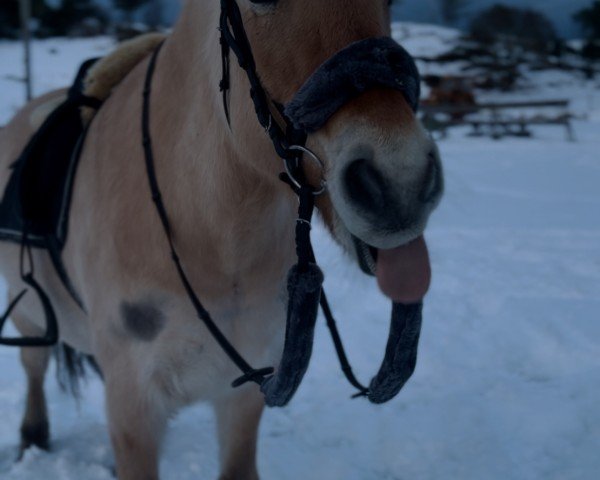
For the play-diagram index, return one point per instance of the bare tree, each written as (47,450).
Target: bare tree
(25,15)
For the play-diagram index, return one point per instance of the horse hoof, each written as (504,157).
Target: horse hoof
(37,435)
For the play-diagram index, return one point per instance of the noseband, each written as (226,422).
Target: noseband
(364,65)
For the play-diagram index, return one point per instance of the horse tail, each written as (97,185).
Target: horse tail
(73,367)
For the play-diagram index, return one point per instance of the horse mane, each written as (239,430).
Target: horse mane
(72,367)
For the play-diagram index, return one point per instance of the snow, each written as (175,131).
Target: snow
(508,380)
(55,63)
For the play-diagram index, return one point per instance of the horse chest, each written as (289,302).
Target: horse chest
(192,365)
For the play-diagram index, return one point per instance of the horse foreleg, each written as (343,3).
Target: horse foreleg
(238,418)
(34,427)
(137,424)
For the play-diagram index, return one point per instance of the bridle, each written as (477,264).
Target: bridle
(288,141)
(288,134)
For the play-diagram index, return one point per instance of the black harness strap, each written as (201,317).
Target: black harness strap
(225,83)
(50,337)
(234,38)
(339,349)
(305,250)
(249,374)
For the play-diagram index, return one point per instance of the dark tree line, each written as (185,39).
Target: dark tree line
(522,27)
(49,20)
(452,9)
(129,7)
(589,20)
(74,16)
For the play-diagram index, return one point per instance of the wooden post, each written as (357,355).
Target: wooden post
(25,14)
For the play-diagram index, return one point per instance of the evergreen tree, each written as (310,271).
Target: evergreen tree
(154,14)
(526,27)
(52,21)
(589,19)
(451,10)
(129,7)
(9,16)
(59,21)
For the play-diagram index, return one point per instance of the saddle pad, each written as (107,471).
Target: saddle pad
(37,196)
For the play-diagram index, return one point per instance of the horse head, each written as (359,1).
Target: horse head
(382,168)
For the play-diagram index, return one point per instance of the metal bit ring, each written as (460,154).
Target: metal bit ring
(313,156)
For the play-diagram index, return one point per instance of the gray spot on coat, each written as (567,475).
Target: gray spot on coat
(144,321)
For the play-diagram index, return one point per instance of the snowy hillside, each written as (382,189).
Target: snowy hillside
(508,380)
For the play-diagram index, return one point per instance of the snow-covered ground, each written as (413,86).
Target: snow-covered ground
(508,380)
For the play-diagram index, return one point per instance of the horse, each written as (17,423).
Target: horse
(232,220)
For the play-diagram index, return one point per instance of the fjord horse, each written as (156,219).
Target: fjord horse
(232,220)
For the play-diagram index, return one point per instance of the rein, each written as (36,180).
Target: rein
(250,374)
(304,283)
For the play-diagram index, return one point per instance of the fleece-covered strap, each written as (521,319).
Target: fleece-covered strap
(304,289)
(400,354)
(362,66)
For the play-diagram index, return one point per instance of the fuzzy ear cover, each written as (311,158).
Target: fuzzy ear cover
(363,65)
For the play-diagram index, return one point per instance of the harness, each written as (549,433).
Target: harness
(367,64)
(378,62)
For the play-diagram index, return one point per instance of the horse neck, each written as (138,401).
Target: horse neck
(220,184)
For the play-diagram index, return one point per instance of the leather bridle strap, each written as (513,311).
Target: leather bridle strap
(50,337)
(249,373)
(234,38)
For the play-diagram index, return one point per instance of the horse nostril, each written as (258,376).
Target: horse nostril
(365,185)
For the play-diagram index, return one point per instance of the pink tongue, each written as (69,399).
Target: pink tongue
(404,273)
